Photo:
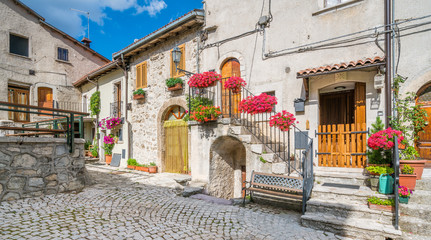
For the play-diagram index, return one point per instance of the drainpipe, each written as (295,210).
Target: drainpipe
(388,53)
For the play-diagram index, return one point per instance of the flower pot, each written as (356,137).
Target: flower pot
(177,86)
(145,169)
(408,180)
(108,159)
(418,165)
(130,167)
(152,169)
(139,168)
(386,184)
(404,200)
(380,165)
(236,90)
(212,84)
(380,207)
(138,97)
(374,180)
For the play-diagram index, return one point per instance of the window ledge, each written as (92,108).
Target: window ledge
(62,61)
(336,7)
(21,56)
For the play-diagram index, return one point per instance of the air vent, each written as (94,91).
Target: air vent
(31,72)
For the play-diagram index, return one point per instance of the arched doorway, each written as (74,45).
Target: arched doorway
(230,68)
(176,141)
(424,143)
(227,168)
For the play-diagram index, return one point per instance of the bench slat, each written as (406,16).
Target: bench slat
(277,187)
(275,193)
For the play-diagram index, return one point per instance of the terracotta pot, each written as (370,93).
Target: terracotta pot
(145,169)
(236,90)
(108,159)
(139,168)
(374,183)
(138,97)
(418,165)
(130,167)
(408,180)
(177,86)
(380,207)
(380,165)
(152,169)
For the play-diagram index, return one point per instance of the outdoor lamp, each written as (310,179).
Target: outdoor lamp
(176,56)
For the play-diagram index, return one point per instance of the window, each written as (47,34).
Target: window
(141,75)
(18,95)
(181,65)
(63,54)
(271,93)
(18,45)
(330,3)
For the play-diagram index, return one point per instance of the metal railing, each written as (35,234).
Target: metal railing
(69,117)
(396,165)
(71,106)
(116,109)
(57,123)
(307,175)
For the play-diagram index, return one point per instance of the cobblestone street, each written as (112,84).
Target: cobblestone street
(116,208)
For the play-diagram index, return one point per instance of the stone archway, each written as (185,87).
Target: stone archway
(227,165)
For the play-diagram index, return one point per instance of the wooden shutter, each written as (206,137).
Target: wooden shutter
(181,65)
(138,76)
(144,75)
(360,110)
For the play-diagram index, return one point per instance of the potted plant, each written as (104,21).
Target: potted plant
(140,167)
(109,123)
(262,103)
(145,167)
(108,145)
(205,113)
(152,168)
(94,149)
(283,120)
(87,145)
(375,174)
(204,80)
(404,194)
(131,163)
(378,156)
(174,84)
(139,94)
(411,119)
(408,177)
(381,204)
(234,84)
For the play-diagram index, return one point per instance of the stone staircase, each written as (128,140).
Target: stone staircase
(416,215)
(343,210)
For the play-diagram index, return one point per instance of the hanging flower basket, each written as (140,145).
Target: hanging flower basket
(204,80)
(205,113)
(283,120)
(177,86)
(262,103)
(109,123)
(234,84)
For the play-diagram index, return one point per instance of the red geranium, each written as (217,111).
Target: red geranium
(384,139)
(205,113)
(234,82)
(203,80)
(282,120)
(257,104)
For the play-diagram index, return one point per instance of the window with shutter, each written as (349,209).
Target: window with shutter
(141,75)
(181,65)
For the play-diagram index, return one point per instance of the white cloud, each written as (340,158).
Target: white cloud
(58,13)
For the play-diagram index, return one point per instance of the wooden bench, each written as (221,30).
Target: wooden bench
(273,184)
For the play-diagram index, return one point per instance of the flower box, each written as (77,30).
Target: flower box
(177,86)
(140,168)
(234,84)
(138,97)
(262,103)
(130,167)
(204,80)
(408,180)
(404,200)
(152,169)
(418,166)
(381,207)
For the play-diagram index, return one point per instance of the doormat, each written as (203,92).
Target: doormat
(340,185)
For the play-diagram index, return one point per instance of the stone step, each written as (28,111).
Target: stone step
(415,225)
(414,209)
(354,178)
(355,196)
(348,210)
(356,228)
(246,138)
(237,130)
(423,184)
(421,197)
(339,170)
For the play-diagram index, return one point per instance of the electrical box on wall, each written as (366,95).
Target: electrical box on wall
(379,81)
(299,105)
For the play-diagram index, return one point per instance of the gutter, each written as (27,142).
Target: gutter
(159,32)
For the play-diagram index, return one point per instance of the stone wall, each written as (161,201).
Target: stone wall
(31,167)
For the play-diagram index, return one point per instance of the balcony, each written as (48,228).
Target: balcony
(70,106)
(116,109)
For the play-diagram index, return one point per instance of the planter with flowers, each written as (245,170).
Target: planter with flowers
(234,84)
(262,103)
(283,120)
(174,84)
(381,204)
(404,194)
(108,145)
(109,123)
(152,168)
(204,80)
(375,173)
(205,113)
(139,94)
(378,156)
(408,177)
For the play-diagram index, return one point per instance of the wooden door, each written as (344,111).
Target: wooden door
(118,99)
(423,145)
(243,179)
(176,141)
(229,69)
(44,98)
(19,96)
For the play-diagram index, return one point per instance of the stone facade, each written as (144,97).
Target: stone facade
(31,167)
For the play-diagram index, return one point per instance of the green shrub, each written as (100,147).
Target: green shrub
(262,159)
(379,201)
(95,150)
(95,103)
(152,164)
(171,82)
(132,162)
(407,169)
(87,145)
(140,91)
(380,170)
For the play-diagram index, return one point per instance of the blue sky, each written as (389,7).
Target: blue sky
(114,24)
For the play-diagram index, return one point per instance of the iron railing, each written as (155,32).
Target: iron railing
(396,165)
(116,109)
(57,123)
(307,175)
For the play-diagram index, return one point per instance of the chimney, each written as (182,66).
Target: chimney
(86,41)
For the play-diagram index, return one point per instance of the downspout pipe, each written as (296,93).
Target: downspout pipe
(126,101)
(388,53)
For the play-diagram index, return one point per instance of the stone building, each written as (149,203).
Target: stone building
(39,62)
(146,64)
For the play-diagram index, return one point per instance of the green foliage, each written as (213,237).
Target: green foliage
(140,91)
(379,201)
(407,169)
(87,145)
(380,170)
(152,164)
(95,150)
(195,102)
(171,82)
(379,156)
(411,119)
(262,159)
(95,103)
(132,162)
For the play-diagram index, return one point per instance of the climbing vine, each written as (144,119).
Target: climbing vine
(95,103)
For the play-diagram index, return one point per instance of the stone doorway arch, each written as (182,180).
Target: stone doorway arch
(227,167)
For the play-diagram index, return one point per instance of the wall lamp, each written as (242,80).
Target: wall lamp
(176,57)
